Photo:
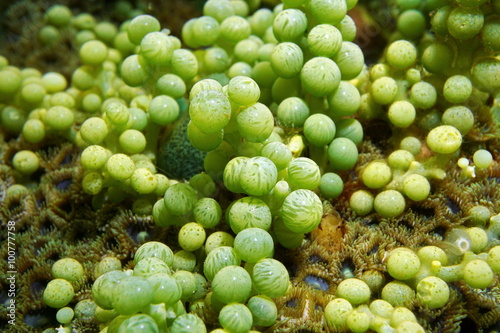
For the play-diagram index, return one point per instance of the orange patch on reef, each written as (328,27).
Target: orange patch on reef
(330,232)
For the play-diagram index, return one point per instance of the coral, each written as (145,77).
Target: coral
(54,218)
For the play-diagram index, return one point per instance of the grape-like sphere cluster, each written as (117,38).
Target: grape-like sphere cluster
(237,133)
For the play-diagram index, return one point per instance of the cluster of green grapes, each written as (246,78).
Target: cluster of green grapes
(404,93)
(417,276)
(152,296)
(436,83)
(258,91)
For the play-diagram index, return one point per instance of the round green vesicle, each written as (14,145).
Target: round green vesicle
(156,250)
(258,175)
(433,292)
(342,154)
(180,199)
(210,111)
(263,309)
(423,95)
(361,202)
(135,70)
(465,23)
(302,211)
(132,141)
(217,239)
(120,166)
(328,11)
(216,60)
(93,52)
(336,312)
(255,123)
(485,73)
(140,26)
(493,259)
(184,260)
(457,89)
(94,157)
(354,290)
(137,323)
(253,244)
(478,274)
(401,54)
(331,185)
(350,60)
(187,282)
(285,236)
(401,114)
(389,203)
(13,118)
(58,15)
(411,144)
(411,24)
(107,264)
(33,130)
(207,212)
(482,158)
(459,117)
(270,277)
(58,293)
(381,308)
(26,162)
(320,76)
(157,48)
(358,320)
(243,90)
(231,284)
(236,317)
(203,141)
(398,293)
(416,187)
(287,60)
(235,28)
(490,35)
(68,269)
(33,93)
(351,129)
(444,139)
(184,64)
(171,85)
(319,129)
(303,173)
(150,266)
(324,40)
(248,212)
(231,175)
(104,286)
(400,159)
(163,110)
(117,113)
(403,264)
(218,258)
(384,90)
(65,315)
(376,174)
(292,112)
(59,118)
(289,25)
(277,152)
(187,323)
(191,236)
